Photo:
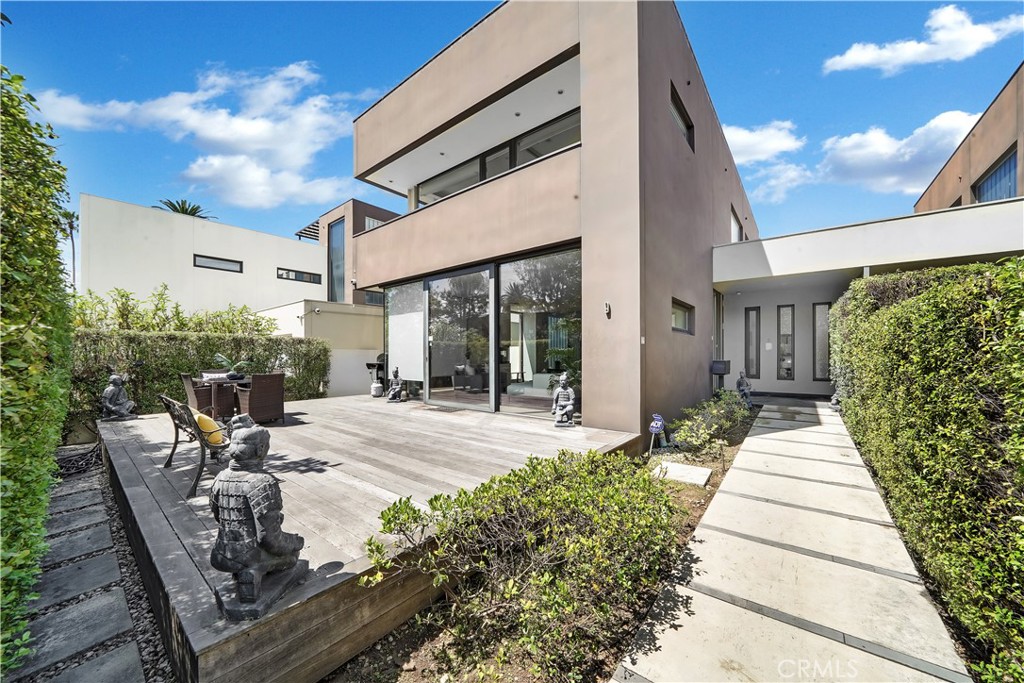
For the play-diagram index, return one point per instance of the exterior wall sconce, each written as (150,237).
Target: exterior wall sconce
(607,310)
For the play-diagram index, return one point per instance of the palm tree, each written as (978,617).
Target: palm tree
(184,206)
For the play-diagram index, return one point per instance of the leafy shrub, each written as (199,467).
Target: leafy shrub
(96,353)
(159,313)
(932,368)
(35,333)
(555,557)
(702,426)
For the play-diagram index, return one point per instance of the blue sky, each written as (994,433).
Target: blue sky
(836,112)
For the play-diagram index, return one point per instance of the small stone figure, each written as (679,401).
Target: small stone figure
(395,388)
(563,403)
(116,405)
(744,387)
(246,502)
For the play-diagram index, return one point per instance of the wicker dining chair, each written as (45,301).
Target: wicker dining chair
(263,400)
(200,397)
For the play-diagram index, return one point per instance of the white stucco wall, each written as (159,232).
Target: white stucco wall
(138,248)
(802,299)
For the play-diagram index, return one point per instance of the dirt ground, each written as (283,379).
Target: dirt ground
(414,652)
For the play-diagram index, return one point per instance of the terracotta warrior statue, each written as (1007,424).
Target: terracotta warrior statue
(246,501)
(563,403)
(744,387)
(395,388)
(115,401)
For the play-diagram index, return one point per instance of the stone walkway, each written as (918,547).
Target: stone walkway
(795,573)
(83,630)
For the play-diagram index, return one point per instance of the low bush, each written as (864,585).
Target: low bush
(931,370)
(549,562)
(702,427)
(164,355)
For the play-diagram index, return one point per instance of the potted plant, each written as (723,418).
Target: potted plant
(234,369)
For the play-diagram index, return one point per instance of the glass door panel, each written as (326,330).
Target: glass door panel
(459,339)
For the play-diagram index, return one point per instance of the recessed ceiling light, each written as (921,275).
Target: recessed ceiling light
(561,92)
(442,153)
(517,113)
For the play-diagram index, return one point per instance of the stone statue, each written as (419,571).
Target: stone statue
(116,405)
(744,387)
(563,403)
(395,388)
(246,502)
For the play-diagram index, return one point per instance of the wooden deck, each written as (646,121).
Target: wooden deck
(340,462)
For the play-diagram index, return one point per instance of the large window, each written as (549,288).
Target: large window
(216,263)
(820,330)
(336,260)
(459,338)
(786,343)
(546,139)
(681,116)
(752,342)
(403,334)
(540,326)
(682,317)
(1000,182)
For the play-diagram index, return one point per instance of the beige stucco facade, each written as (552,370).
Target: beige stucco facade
(354,213)
(643,207)
(999,131)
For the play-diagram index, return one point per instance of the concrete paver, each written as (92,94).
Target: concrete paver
(122,664)
(688,474)
(61,634)
(76,578)
(797,574)
(69,546)
(75,519)
(72,501)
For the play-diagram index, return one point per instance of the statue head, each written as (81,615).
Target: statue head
(563,381)
(742,373)
(395,373)
(115,380)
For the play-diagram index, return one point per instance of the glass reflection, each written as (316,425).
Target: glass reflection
(459,338)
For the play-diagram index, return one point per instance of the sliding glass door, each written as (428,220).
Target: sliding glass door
(459,343)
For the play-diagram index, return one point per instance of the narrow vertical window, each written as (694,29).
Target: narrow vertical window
(821,359)
(336,260)
(752,342)
(737,227)
(785,343)
(681,116)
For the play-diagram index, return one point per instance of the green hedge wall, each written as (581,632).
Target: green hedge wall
(166,354)
(35,333)
(930,370)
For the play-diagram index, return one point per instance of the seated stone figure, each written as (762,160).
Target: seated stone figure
(115,401)
(246,502)
(563,403)
(395,388)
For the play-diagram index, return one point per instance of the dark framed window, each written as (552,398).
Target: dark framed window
(786,342)
(820,341)
(216,263)
(681,116)
(545,139)
(299,276)
(1000,182)
(374,298)
(682,317)
(752,342)
(336,260)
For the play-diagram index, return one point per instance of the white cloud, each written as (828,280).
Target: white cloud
(881,163)
(952,36)
(775,182)
(764,143)
(268,142)
(242,181)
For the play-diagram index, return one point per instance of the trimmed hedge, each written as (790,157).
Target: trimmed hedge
(930,371)
(166,354)
(35,333)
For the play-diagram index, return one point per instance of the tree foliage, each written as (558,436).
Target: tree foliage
(35,325)
(931,377)
(554,558)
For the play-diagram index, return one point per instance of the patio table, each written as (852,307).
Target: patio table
(215,383)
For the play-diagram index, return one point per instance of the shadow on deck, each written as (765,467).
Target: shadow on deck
(340,462)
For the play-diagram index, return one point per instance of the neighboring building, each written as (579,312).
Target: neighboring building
(565,192)
(986,166)
(209,266)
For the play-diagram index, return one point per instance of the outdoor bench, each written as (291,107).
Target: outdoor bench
(211,435)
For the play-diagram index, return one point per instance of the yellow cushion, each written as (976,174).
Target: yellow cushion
(211,428)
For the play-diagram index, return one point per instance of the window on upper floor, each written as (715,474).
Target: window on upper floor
(216,263)
(682,317)
(737,227)
(298,276)
(541,141)
(1000,182)
(371,223)
(681,116)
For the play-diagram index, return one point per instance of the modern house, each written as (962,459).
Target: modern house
(307,286)
(565,193)
(986,166)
